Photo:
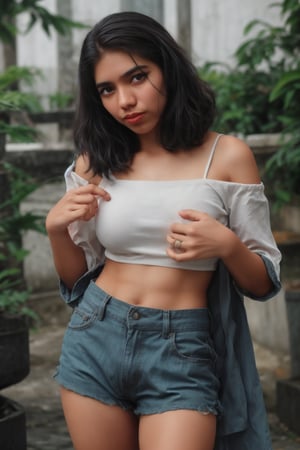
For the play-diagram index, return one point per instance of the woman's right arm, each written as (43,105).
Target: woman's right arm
(78,204)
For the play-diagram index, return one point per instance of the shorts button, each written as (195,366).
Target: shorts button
(136,315)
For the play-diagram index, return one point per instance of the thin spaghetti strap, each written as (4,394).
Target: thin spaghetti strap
(211,155)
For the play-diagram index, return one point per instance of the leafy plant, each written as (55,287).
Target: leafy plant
(243,104)
(15,184)
(9,10)
(17,101)
(262,94)
(278,48)
(14,294)
(13,99)
(60,100)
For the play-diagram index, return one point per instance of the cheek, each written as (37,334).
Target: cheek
(161,103)
(161,99)
(155,99)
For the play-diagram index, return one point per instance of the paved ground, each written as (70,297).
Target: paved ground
(38,393)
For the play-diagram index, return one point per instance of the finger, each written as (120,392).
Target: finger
(84,208)
(100,192)
(175,246)
(94,190)
(191,214)
(175,240)
(82,213)
(84,199)
(170,239)
(178,228)
(177,255)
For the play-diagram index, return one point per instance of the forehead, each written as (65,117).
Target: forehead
(115,63)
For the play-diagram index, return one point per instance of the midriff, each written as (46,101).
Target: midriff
(155,287)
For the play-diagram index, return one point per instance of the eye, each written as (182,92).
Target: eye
(105,91)
(138,77)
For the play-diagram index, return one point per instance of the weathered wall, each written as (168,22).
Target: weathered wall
(218,26)
(39,268)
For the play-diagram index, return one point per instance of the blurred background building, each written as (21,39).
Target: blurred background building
(210,30)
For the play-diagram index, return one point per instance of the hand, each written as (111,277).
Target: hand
(77,204)
(200,238)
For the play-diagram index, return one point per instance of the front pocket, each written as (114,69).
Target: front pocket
(193,345)
(81,319)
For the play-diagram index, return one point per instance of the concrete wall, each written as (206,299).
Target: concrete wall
(38,50)
(268,323)
(39,269)
(218,26)
(217,30)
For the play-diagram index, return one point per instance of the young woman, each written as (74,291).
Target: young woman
(163,227)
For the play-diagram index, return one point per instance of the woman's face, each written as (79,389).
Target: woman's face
(132,90)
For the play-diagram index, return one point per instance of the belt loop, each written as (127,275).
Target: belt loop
(166,324)
(102,307)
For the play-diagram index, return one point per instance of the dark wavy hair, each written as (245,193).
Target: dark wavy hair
(190,104)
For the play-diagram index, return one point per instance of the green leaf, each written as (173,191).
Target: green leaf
(8,273)
(283,196)
(14,74)
(254,23)
(10,9)
(18,133)
(286,79)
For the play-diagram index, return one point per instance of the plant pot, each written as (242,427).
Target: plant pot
(14,350)
(12,425)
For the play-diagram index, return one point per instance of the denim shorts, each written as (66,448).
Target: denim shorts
(142,359)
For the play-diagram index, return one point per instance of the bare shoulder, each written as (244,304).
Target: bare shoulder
(238,160)
(82,169)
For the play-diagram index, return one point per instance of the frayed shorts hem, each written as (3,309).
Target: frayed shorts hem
(73,387)
(203,410)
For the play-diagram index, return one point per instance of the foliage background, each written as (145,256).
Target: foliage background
(261,94)
(15,184)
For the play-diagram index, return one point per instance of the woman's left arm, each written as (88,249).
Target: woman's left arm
(249,236)
(246,267)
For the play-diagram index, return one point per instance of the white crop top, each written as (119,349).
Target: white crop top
(132,227)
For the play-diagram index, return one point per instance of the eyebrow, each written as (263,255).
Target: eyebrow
(127,74)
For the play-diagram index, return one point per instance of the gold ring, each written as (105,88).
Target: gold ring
(177,244)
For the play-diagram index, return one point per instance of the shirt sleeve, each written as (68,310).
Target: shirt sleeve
(83,233)
(249,218)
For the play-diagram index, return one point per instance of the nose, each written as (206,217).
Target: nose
(127,98)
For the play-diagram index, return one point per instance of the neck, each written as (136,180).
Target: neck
(150,143)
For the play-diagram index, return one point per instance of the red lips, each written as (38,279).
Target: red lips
(133,118)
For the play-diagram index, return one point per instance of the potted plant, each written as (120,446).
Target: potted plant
(14,294)
(15,184)
(15,315)
(12,425)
